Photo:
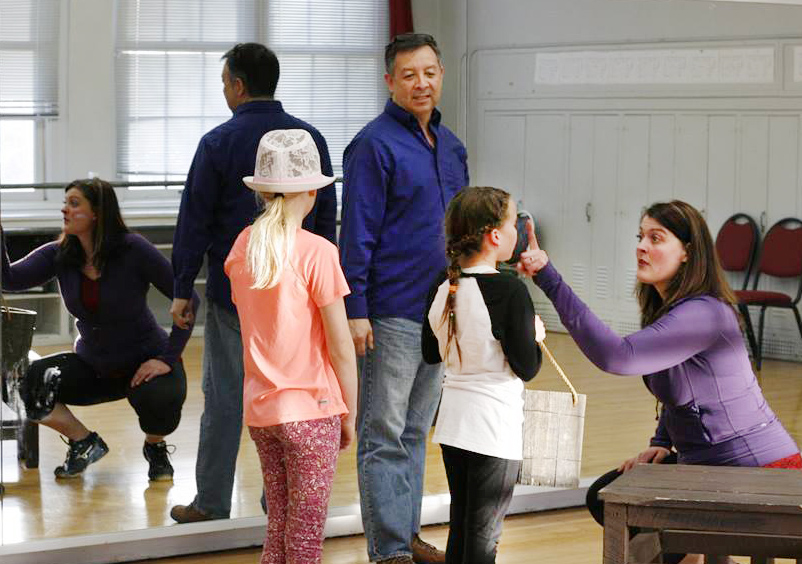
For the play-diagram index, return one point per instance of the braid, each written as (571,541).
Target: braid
(464,246)
(454,271)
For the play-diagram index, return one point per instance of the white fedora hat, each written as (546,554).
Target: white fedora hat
(287,161)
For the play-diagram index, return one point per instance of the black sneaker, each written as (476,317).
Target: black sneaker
(157,455)
(81,454)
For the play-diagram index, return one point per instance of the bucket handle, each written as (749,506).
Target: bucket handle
(553,361)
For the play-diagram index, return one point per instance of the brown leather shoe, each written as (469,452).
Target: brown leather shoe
(188,514)
(397,560)
(425,553)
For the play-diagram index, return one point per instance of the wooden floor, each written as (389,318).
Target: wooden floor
(567,536)
(115,495)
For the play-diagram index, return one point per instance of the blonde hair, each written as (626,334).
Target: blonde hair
(271,241)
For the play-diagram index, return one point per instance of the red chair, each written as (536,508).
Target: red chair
(780,257)
(737,243)
(736,246)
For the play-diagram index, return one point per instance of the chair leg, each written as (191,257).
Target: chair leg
(750,332)
(798,320)
(760,338)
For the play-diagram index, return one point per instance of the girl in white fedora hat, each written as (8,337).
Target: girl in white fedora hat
(300,366)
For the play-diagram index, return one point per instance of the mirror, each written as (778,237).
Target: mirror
(583,157)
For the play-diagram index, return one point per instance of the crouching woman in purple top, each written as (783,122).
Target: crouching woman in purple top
(104,273)
(690,351)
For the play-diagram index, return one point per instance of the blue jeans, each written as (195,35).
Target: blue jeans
(221,422)
(398,396)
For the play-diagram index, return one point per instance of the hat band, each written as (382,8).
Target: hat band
(290,181)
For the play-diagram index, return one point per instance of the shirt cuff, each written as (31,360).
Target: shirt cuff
(356,307)
(656,442)
(182,289)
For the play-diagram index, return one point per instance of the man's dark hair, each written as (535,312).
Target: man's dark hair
(256,66)
(408,42)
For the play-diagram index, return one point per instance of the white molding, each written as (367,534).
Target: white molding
(786,2)
(228,534)
(689,66)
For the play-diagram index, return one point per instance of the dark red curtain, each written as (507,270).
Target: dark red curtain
(400,17)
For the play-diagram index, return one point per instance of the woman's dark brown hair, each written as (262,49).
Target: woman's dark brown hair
(107,232)
(474,211)
(700,274)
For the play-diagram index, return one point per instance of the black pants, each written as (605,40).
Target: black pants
(481,490)
(158,402)
(596,506)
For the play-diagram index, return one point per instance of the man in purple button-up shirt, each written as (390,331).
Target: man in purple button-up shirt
(400,172)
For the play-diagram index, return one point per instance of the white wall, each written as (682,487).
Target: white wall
(83,138)
(527,22)
(446,21)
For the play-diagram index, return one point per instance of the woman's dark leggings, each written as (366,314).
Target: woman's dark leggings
(66,378)
(596,506)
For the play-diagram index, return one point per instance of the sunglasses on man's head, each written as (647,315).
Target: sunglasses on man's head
(409,36)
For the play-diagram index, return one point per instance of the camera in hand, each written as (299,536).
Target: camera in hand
(523,241)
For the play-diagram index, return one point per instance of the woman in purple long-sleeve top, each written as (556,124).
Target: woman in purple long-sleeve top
(690,350)
(104,273)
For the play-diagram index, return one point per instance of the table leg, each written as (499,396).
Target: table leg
(30,443)
(616,534)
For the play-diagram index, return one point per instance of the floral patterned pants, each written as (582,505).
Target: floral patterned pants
(298,463)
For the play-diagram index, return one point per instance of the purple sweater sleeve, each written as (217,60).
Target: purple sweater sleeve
(686,330)
(34,269)
(661,437)
(160,274)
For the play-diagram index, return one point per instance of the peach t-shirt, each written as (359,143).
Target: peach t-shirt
(288,374)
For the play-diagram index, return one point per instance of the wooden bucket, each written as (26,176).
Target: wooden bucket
(554,424)
(16,332)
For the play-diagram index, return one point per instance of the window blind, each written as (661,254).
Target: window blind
(168,83)
(332,63)
(29,39)
(169,91)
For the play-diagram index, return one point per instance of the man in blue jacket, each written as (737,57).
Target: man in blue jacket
(215,207)
(400,171)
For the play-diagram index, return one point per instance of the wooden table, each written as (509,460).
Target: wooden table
(711,510)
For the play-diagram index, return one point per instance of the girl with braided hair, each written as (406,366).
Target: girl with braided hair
(482,325)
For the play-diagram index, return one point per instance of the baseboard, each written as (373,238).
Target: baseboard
(227,534)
